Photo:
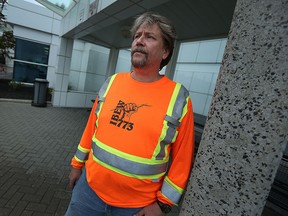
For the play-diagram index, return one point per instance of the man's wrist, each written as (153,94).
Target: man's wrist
(165,208)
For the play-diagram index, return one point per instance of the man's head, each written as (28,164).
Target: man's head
(167,35)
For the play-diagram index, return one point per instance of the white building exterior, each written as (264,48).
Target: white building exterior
(36,24)
(77,68)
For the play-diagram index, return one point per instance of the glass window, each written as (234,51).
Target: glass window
(60,7)
(31,52)
(31,61)
(24,72)
(197,68)
(124,61)
(88,67)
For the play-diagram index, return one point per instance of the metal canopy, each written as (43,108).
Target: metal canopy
(193,19)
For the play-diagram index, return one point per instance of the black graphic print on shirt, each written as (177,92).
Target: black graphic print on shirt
(122,114)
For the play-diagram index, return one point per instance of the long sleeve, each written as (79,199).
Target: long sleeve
(176,180)
(84,147)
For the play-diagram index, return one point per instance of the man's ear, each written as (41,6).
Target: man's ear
(165,53)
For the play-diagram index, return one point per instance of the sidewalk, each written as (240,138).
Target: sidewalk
(36,146)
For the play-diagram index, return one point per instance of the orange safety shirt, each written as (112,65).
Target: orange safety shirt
(130,122)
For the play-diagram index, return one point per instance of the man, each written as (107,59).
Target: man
(140,121)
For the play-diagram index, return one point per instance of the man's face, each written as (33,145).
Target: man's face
(148,47)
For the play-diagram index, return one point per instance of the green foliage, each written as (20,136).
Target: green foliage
(50,90)
(15,85)
(7,40)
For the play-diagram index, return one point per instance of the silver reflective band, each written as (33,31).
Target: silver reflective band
(81,155)
(167,140)
(126,165)
(180,103)
(173,121)
(101,93)
(170,193)
(100,98)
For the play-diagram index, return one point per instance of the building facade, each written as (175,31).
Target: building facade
(76,68)
(36,30)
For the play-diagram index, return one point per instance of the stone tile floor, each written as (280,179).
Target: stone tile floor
(36,146)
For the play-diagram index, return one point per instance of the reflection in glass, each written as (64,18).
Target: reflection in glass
(24,72)
(60,7)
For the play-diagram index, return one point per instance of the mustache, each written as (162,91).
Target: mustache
(139,49)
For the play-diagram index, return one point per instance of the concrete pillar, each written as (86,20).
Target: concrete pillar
(63,71)
(247,127)
(171,66)
(113,57)
(86,47)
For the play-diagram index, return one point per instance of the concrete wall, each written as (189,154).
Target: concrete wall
(247,126)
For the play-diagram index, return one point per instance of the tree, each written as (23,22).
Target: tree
(7,40)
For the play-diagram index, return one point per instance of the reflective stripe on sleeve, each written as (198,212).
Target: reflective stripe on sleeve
(180,103)
(82,154)
(172,120)
(171,191)
(127,164)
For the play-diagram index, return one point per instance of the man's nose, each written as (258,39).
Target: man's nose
(140,40)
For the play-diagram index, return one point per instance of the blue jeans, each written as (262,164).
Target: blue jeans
(85,202)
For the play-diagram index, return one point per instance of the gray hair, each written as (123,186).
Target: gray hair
(166,27)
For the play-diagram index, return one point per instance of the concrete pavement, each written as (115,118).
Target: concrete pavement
(36,146)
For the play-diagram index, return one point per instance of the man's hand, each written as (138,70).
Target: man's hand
(74,176)
(151,210)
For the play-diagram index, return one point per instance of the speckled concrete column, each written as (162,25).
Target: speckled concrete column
(247,126)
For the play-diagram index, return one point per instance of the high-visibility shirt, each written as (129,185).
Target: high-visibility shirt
(128,139)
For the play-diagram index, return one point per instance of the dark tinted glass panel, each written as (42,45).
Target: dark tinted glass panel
(31,51)
(28,72)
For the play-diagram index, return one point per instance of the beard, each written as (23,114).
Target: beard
(139,62)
